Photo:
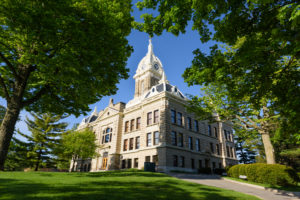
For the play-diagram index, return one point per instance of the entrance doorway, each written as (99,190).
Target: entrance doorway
(104,161)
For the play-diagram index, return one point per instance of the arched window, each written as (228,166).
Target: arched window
(107,135)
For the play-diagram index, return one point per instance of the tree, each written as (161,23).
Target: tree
(2,113)
(46,132)
(60,56)
(244,151)
(79,145)
(263,60)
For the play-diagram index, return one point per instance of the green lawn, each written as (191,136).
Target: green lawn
(287,188)
(120,185)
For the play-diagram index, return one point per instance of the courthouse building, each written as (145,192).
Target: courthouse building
(155,126)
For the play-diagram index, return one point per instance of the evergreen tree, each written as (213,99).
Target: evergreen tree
(245,154)
(46,132)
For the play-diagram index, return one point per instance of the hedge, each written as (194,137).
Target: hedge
(273,174)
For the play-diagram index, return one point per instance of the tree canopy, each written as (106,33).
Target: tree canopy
(60,56)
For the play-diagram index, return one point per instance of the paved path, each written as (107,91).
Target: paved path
(216,181)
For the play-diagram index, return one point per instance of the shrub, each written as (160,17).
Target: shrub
(273,174)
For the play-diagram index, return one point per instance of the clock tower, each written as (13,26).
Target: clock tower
(149,73)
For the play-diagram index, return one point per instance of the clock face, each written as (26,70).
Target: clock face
(156,66)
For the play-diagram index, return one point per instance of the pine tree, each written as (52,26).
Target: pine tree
(46,132)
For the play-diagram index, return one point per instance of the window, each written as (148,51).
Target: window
(148,139)
(132,125)
(125,145)
(138,123)
(136,163)
(173,138)
(149,118)
(181,161)
(211,147)
(156,138)
(179,119)
(196,126)
(175,161)
(214,165)
(218,149)
(107,135)
(200,163)
(147,159)
(173,116)
(193,163)
(130,143)
(156,116)
(189,123)
(216,132)
(123,164)
(190,143)
(228,153)
(209,130)
(225,133)
(198,145)
(129,163)
(126,126)
(137,142)
(220,166)
(155,159)
(106,138)
(180,139)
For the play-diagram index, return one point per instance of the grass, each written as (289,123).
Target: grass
(106,185)
(287,188)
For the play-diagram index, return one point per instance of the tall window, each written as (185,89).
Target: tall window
(173,116)
(156,116)
(225,134)
(107,135)
(149,118)
(196,126)
(138,123)
(130,143)
(125,147)
(216,132)
(129,161)
(156,138)
(137,142)
(179,118)
(148,139)
(180,139)
(209,130)
(218,149)
(147,159)
(132,125)
(197,144)
(211,147)
(200,163)
(181,161)
(193,163)
(136,163)
(189,123)
(191,143)
(173,138)
(126,126)
(228,153)
(175,161)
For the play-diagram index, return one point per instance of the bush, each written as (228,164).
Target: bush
(219,171)
(272,174)
(206,170)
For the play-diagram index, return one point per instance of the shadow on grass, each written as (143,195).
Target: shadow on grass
(111,188)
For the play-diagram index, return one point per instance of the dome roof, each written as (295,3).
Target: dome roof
(150,62)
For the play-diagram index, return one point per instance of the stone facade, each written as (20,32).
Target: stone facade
(156,127)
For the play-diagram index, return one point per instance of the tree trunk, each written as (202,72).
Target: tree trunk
(6,131)
(38,160)
(269,149)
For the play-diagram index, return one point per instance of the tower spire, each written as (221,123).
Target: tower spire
(150,47)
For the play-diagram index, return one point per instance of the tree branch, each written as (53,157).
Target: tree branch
(10,66)
(248,124)
(38,95)
(4,88)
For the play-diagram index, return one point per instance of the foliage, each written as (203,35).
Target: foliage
(245,152)
(60,56)
(259,59)
(17,158)
(46,132)
(2,113)
(123,185)
(292,157)
(273,174)
(79,144)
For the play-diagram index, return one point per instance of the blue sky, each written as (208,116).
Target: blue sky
(174,52)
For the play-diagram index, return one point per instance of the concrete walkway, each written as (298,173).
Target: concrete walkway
(216,181)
